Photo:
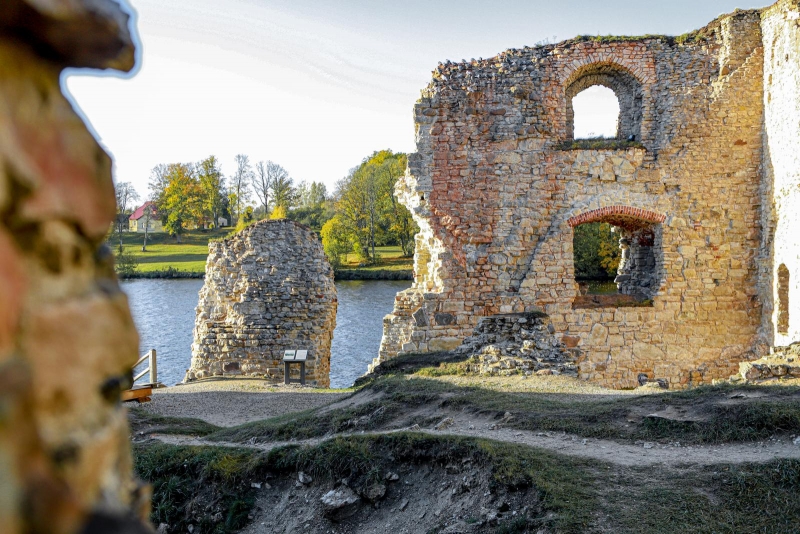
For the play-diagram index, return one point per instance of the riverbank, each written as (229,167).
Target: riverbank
(165,258)
(343,274)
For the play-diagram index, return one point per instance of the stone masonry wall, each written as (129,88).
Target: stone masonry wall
(267,289)
(781,189)
(67,340)
(496,188)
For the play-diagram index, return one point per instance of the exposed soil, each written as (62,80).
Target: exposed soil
(424,498)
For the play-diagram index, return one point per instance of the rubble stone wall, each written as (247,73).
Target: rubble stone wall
(496,186)
(67,340)
(267,289)
(781,190)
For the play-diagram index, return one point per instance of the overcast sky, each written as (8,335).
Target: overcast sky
(317,86)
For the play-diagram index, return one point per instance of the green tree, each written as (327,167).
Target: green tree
(596,251)
(368,209)
(282,186)
(212,189)
(311,195)
(180,202)
(335,241)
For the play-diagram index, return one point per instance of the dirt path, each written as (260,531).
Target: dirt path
(234,402)
(643,454)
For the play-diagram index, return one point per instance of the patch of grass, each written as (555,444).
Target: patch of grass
(686,38)
(446,369)
(411,381)
(143,421)
(711,500)
(186,480)
(166,258)
(164,253)
(599,144)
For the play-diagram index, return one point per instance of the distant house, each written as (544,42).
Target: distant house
(222,222)
(145,217)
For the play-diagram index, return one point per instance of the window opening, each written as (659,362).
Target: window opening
(617,261)
(783,299)
(597,255)
(596,112)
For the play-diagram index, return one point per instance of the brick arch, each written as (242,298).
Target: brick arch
(626,217)
(625,85)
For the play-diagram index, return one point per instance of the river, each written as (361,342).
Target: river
(164,312)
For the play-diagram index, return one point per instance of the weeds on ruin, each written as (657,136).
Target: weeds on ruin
(598,144)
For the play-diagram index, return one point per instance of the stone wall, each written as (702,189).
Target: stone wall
(496,187)
(781,191)
(267,289)
(67,339)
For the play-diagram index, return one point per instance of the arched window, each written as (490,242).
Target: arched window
(596,113)
(783,299)
(625,88)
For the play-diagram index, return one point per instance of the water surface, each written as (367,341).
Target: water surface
(164,312)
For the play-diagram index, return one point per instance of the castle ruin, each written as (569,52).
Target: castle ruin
(703,184)
(268,288)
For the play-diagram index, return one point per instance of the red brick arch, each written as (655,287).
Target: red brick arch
(623,216)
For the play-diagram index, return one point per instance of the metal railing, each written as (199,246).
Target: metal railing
(152,368)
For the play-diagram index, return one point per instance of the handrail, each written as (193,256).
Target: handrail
(152,368)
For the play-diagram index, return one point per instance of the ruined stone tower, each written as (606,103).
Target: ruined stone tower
(700,183)
(268,288)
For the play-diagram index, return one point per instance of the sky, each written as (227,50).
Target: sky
(316,85)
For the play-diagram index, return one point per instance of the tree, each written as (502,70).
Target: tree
(126,196)
(212,188)
(367,208)
(262,185)
(281,184)
(311,195)
(335,241)
(180,202)
(278,213)
(240,181)
(596,251)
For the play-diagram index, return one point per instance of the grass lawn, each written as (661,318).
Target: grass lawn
(164,252)
(389,259)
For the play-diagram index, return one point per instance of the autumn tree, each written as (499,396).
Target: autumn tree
(335,241)
(596,251)
(367,207)
(126,197)
(180,201)
(212,188)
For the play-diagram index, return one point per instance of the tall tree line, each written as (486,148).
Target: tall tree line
(199,194)
(361,215)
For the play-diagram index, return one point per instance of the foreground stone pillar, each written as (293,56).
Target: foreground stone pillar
(267,289)
(67,339)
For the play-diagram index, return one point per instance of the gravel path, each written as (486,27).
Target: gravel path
(642,454)
(234,402)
